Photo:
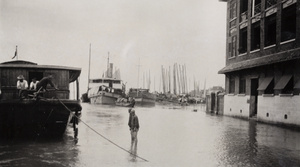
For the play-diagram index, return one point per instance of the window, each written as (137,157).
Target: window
(231,85)
(285,85)
(243,41)
(288,23)
(37,75)
(255,36)
(288,89)
(266,86)
(232,47)
(256,7)
(243,10)
(270,30)
(270,3)
(242,86)
(244,6)
(270,88)
(232,12)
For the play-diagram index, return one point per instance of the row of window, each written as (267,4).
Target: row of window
(256,7)
(285,85)
(287,29)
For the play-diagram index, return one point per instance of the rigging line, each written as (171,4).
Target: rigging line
(101,134)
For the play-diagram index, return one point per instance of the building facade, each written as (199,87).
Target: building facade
(263,60)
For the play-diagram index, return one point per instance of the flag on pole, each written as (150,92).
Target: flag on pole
(16,53)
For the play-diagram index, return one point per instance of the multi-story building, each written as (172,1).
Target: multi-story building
(263,60)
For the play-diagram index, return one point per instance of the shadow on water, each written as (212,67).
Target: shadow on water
(39,151)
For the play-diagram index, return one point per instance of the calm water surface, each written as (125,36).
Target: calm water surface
(168,136)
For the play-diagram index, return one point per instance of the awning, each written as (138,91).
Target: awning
(265,83)
(284,80)
(297,85)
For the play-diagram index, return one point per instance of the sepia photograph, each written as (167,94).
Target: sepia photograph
(137,83)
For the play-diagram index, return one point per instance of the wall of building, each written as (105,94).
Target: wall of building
(277,107)
(220,104)
(236,105)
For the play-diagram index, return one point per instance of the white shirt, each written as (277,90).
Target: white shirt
(33,85)
(22,85)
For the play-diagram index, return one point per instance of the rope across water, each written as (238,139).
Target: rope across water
(100,133)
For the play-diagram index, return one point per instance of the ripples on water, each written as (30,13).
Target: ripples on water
(168,136)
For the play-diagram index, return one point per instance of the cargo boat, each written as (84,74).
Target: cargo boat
(45,113)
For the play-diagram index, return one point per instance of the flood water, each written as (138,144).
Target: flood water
(168,136)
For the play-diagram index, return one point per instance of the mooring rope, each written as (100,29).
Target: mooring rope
(100,133)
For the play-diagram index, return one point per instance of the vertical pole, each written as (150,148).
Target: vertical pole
(17,52)
(108,69)
(88,86)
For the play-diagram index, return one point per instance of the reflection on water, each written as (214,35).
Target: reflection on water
(39,152)
(168,136)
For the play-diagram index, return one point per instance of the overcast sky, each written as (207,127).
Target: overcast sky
(164,32)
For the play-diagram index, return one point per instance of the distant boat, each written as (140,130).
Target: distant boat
(124,102)
(31,115)
(142,97)
(108,89)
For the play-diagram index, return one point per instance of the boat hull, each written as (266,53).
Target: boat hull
(141,101)
(142,97)
(104,98)
(32,118)
(123,104)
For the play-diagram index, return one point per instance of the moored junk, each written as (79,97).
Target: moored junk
(142,96)
(42,112)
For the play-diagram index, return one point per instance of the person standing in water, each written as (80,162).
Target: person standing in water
(134,126)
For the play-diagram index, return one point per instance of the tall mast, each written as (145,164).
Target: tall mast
(174,77)
(88,86)
(181,79)
(149,80)
(154,84)
(204,89)
(107,70)
(186,81)
(138,74)
(178,79)
(170,79)
(163,78)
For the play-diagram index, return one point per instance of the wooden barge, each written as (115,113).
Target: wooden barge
(47,114)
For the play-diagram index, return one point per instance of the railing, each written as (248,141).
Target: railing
(257,9)
(270,3)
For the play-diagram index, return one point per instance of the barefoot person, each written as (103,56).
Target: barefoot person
(134,126)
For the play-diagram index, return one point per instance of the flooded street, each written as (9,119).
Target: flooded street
(168,136)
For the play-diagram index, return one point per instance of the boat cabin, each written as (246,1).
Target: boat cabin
(62,77)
